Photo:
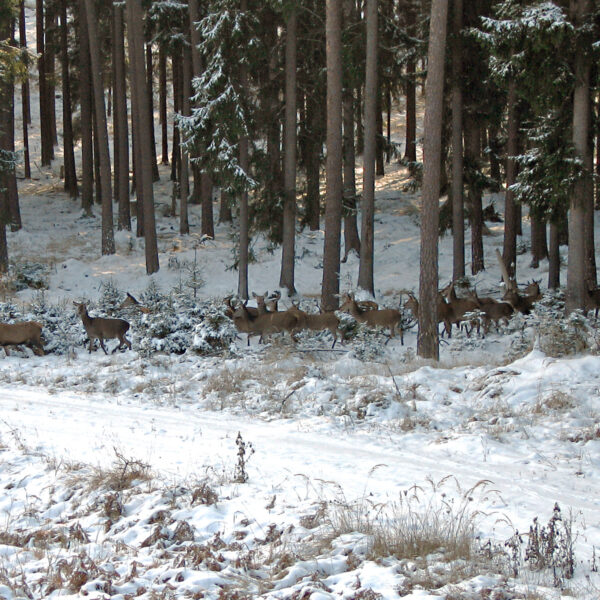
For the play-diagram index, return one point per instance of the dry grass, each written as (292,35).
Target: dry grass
(417,525)
(555,401)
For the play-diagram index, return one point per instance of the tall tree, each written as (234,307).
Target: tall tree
(333,211)
(365,273)
(46,137)
(141,120)
(85,99)
(576,271)
(68,151)
(458,218)
(286,278)
(427,341)
(108,240)
(121,134)
(25,96)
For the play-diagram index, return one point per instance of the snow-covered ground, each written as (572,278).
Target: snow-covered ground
(291,471)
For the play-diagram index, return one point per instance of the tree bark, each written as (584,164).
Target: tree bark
(286,278)
(25,97)
(85,98)
(410,153)
(150,87)
(144,191)
(365,271)
(539,248)
(333,211)
(68,153)
(510,213)
(121,140)
(244,157)
(184,183)
(576,269)
(473,153)
(108,240)
(427,339)
(162,103)
(47,146)
(458,216)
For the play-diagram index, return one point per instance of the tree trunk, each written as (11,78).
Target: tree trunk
(184,183)
(365,271)
(68,154)
(150,86)
(313,163)
(410,153)
(510,213)
(333,211)
(473,153)
(121,141)
(244,157)
(458,217)
(108,240)
(175,150)
(539,248)
(286,278)
(162,103)
(47,146)
(427,340)
(225,208)
(25,101)
(576,270)
(145,194)
(554,258)
(50,52)
(379,158)
(85,98)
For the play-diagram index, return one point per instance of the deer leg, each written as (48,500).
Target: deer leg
(102,345)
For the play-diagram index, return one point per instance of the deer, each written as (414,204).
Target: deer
(26,332)
(445,312)
(461,307)
(133,302)
(320,322)
(386,317)
(363,305)
(100,328)
(493,310)
(230,309)
(525,303)
(264,324)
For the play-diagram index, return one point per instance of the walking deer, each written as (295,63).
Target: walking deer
(99,328)
(493,310)
(264,324)
(321,322)
(444,311)
(26,332)
(386,317)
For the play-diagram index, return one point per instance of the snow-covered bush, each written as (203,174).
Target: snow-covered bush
(29,275)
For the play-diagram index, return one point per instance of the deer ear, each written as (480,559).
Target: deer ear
(253,295)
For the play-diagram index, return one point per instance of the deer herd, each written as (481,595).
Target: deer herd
(469,311)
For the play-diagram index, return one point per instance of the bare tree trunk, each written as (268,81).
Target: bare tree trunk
(286,278)
(175,150)
(46,141)
(244,157)
(225,208)
(554,258)
(108,240)
(162,103)
(25,100)
(539,248)
(410,154)
(313,164)
(427,340)
(145,194)
(576,270)
(510,212)
(333,211)
(379,159)
(184,183)
(85,96)
(473,151)
(349,208)
(150,86)
(458,216)
(121,141)
(68,154)
(365,271)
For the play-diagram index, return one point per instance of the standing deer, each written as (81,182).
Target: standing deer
(444,311)
(99,328)
(320,322)
(264,324)
(386,317)
(493,310)
(26,332)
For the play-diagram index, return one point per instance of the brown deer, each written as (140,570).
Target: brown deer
(525,303)
(99,328)
(462,307)
(26,332)
(445,312)
(230,309)
(492,309)
(386,317)
(320,322)
(264,324)
(132,302)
